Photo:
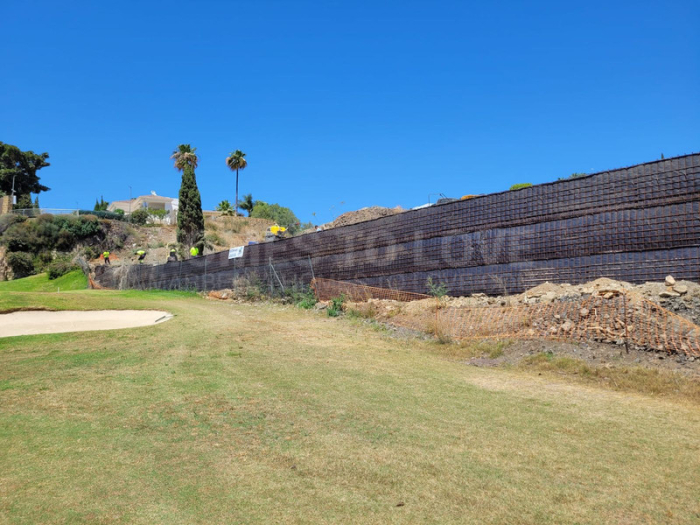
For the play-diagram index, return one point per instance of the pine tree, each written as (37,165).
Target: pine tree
(190,219)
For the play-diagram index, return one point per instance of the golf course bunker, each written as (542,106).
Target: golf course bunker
(41,322)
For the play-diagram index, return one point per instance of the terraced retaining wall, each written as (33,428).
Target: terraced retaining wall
(635,224)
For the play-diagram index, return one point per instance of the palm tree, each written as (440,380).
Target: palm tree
(236,161)
(225,208)
(247,204)
(185,155)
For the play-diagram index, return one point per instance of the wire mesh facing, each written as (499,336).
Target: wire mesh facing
(614,317)
(327,289)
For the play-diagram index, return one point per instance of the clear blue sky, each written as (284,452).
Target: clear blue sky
(341,105)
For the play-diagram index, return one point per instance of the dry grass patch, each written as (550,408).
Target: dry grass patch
(623,378)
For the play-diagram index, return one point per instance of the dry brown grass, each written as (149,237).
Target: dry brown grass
(624,378)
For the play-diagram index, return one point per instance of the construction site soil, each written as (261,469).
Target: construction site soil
(365,214)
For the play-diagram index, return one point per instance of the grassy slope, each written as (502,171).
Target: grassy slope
(40,283)
(238,414)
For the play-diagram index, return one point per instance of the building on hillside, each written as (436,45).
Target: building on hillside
(149,202)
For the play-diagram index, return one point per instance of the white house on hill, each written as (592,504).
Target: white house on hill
(148,202)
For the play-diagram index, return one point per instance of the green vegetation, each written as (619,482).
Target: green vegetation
(574,176)
(101,205)
(139,217)
(236,161)
(31,244)
(436,289)
(225,208)
(21,263)
(73,280)
(247,203)
(335,307)
(157,215)
(59,267)
(214,239)
(18,169)
(274,212)
(190,219)
(520,186)
(261,413)
(304,299)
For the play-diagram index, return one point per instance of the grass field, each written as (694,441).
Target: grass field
(75,280)
(267,414)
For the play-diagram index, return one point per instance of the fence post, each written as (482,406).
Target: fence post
(277,276)
(179,277)
(624,316)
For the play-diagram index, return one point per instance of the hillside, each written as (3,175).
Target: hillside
(221,232)
(50,240)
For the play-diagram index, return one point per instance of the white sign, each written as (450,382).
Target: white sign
(235,253)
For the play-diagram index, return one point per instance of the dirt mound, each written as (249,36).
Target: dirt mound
(365,214)
(681,297)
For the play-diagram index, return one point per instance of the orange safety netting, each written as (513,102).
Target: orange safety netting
(619,317)
(327,289)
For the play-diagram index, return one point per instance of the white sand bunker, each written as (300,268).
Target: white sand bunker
(32,323)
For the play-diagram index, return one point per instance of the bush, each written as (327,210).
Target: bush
(274,212)
(139,217)
(22,264)
(103,214)
(520,186)
(8,220)
(90,253)
(335,308)
(436,289)
(214,239)
(60,267)
(303,299)
(48,233)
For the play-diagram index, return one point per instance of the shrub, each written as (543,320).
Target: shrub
(90,253)
(157,216)
(22,264)
(60,267)
(305,300)
(274,212)
(335,308)
(8,220)
(49,232)
(214,239)
(436,289)
(20,237)
(520,186)
(103,214)
(139,217)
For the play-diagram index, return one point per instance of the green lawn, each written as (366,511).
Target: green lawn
(75,280)
(267,414)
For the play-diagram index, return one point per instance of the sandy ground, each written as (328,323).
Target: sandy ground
(32,323)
